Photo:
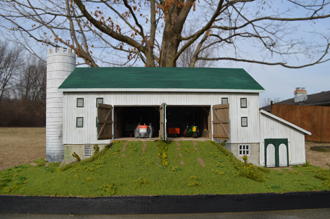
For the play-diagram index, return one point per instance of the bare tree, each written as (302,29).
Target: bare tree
(189,57)
(32,80)
(26,105)
(10,63)
(267,101)
(151,31)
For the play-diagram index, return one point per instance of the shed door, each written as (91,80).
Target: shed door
(221,122)
(162,122)
(104,121)
(276,150)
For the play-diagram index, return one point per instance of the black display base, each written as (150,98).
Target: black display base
(166,204)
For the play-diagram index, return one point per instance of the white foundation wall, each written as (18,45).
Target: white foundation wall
(88,133)
(271,129)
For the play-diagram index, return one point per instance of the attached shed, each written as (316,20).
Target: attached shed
(282,143)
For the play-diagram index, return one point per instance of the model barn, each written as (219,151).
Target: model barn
(98,105)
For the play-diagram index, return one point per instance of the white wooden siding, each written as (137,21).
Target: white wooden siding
(271,128)
(239,134)
(87,134)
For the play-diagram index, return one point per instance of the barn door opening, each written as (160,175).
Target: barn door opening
(221,122)
(181,118)
(104,121)
(128,118)
(162,122)
(276,153)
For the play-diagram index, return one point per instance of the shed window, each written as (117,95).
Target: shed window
(79,122)
(244,149)
(99,100)
(243,102)
(88,150)
(224,100)
(244,121)
(80,102)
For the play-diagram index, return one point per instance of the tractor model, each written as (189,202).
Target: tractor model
(191,131)
(143,131)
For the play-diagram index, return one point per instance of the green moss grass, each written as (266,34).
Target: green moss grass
(158,171)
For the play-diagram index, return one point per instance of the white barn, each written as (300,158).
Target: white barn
(98,105)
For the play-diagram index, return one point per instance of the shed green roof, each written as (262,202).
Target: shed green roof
(160,78)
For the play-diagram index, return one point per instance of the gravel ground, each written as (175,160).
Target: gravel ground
(317,158)
(21,145)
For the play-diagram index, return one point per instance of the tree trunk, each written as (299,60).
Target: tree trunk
(175,17)
(170,46)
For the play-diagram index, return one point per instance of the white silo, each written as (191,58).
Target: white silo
(60,63)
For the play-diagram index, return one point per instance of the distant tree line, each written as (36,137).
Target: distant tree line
(22,88)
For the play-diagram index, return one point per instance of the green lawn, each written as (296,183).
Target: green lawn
(159,171)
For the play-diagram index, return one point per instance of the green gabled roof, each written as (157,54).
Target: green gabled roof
(160,78)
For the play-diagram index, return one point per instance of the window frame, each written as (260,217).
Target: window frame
(245,151)
(224,98)
(247,121)
(245,102)
(99,98)
(83,102)
(88,148)
(82,122)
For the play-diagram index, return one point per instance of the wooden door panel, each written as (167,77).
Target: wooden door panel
(104,123)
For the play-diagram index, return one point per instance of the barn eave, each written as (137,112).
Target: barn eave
(182,90)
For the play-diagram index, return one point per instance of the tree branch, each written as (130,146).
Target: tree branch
(107,30)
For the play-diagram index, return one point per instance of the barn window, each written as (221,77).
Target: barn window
(244,121)
(243,102)
(224,100)
(80,102)
(99,100)
(244,149)
(79,122)
(88,150)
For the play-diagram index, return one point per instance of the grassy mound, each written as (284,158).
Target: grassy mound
(159,168)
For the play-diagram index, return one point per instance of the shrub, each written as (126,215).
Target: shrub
(323,175)
(194,181)
(306,164)
(96,148)
(162,153)
(139,182)
(221,147)
(109,189)
(245,159)
(40,162)
(95,156)
(251,172)
(76,156)
(248,170)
